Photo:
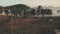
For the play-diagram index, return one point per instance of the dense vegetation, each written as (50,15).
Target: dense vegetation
(24,10)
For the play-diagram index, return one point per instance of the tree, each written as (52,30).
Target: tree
(39,7)
(6,12)
(39,10)
(22,6)
(17,9)
(1,9)
(58,11)
(46,12)
(14,12)
(42,12)
(22,9)
(49,11)
(33,12)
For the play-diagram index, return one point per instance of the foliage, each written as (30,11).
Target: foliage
(1,9)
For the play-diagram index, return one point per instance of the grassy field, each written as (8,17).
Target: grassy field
(28,25)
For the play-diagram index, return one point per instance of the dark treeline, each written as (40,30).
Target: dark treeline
(24,10)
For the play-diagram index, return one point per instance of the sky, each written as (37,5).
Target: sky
(31,3)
